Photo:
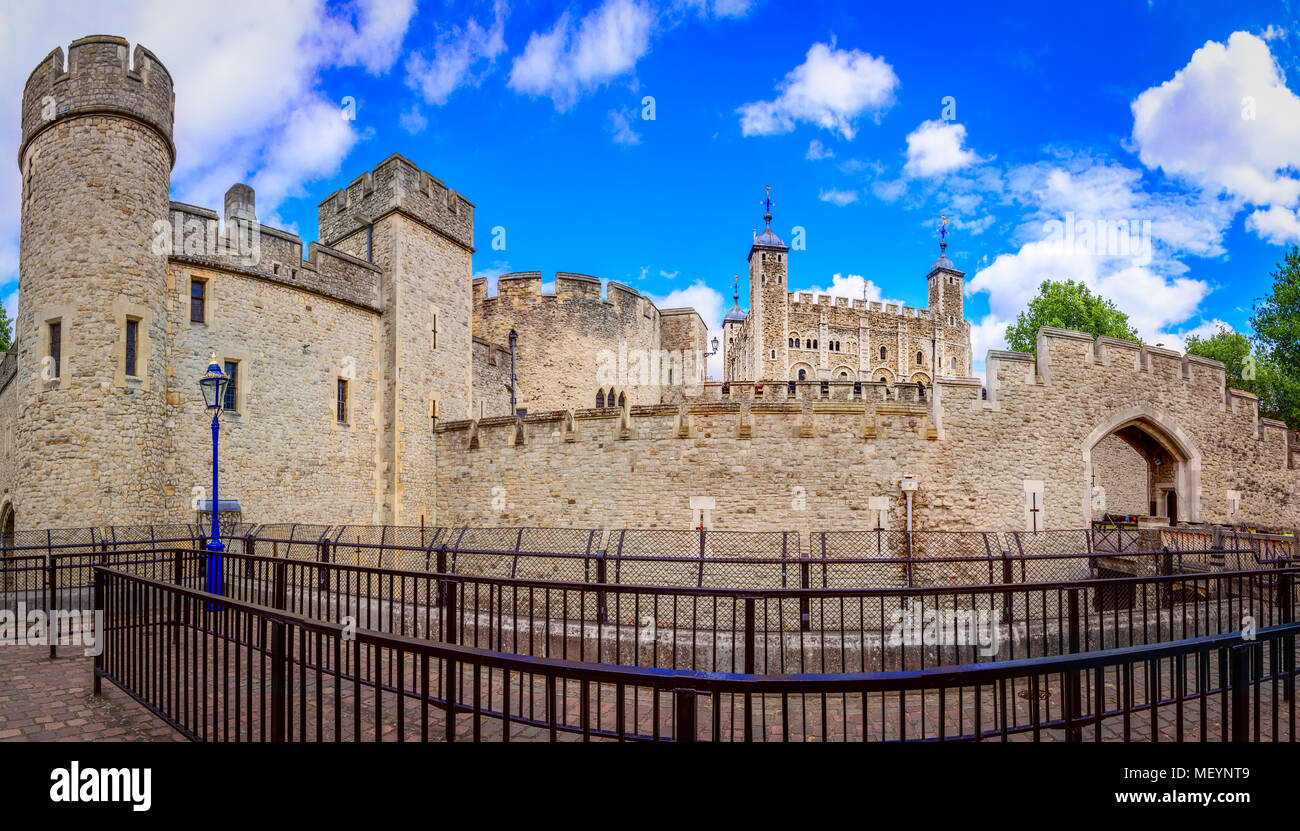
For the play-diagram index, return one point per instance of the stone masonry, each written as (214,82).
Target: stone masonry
(373,373)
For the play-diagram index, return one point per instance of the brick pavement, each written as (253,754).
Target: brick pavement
(49,701)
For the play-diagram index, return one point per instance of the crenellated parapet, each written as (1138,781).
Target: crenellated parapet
(397,184)
(196,236)
(101,76)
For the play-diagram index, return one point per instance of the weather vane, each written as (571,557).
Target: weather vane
(767,206)
(943,231)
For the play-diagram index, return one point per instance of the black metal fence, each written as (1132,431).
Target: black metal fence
(775,630)
(224,669)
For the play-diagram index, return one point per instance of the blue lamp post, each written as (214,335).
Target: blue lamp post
(214,384)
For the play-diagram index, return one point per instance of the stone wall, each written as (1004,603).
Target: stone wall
(806,464)
(574,343)
(1123,474)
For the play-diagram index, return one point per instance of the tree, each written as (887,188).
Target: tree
(1068,305)
(1277,337)
(1249,367)
(6,331)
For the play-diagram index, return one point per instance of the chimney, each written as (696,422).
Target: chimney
(239,204)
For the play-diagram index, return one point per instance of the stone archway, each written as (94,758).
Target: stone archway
(1174,461)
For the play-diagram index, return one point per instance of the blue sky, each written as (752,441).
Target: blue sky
(1178,122)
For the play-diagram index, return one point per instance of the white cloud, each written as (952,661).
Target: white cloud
(573,58)
(1277,225)
(1205,329)
(889,190)
(413,121)
(935,148)
(817,151)
(851,286)
(1227,123)
(719,8)
(838,197)
(491,273)
(456,52)
(711,306)
(622,129)
(830,89)
(668,275)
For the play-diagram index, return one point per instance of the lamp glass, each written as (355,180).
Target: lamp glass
(214,384)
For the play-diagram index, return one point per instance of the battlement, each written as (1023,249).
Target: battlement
(525,288)
(804,301)
(246,246)
(397,184)
(700,419)
(100,77)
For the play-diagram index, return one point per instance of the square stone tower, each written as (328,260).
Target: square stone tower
(421,233)
(768,301)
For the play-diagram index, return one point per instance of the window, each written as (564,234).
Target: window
(232,389)
(622,402)
(198,289)
(920,358)
(56,347)
(670,377)
(132,338)
(600,399)
(343,401)
(882,353)
(435,331)
(954,364)
(803,376)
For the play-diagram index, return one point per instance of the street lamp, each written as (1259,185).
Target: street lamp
(214,384)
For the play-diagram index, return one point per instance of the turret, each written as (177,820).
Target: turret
(768,268)
(95,160)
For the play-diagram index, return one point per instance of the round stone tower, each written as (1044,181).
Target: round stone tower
(95,159)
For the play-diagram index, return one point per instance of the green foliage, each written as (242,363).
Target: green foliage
(1277,344)
(1251,368)
(1068,305)
(6,331)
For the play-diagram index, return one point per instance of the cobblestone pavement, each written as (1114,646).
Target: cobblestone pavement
(49,701)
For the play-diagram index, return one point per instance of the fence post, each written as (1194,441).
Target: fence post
(684,715)
(602,614)
(750,663)
(1073,690)
(51,582)
(1240,660)
(323,579)
(281,590)
(250,545)
(805,607)
(100,577)
(447,594)
(441,569)
(279,668)
(908,532)
(1008,578)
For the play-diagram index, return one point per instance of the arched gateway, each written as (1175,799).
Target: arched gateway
(1173,481)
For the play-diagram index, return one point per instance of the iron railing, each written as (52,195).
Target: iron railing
(776,630)
(221,669)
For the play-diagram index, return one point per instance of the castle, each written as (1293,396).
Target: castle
(373,379)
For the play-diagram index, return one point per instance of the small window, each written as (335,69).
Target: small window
(952,321)
(882,353)
(56,347)
(920,358)
(343,401)
(198,288)
(792,343)
(600,399)
(670,377)
(232,388)
(435,331)
(132,338)
(803,376)
(622,402)
(954,364)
